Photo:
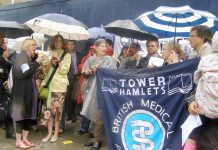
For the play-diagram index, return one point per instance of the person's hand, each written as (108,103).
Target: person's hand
(55,56)
(198,110)
(38,82)
(136,56)
(193,108)
(54,61)
(151,66)
(40,58)
(6,54)
(5,84)
(94,68)
(88,71)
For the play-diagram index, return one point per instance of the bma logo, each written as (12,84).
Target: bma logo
(142,130)
(109,85)
(181,83)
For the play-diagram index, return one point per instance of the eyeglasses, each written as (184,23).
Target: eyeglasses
(193,36)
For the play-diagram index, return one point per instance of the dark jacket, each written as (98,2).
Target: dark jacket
(71,72)
(143,63)
(5,66)
(23,87)
(128,63)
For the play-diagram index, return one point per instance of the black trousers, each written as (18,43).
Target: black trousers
(23,125)
(71,96)
(9,125)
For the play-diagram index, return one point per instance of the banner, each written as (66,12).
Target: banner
(143,109)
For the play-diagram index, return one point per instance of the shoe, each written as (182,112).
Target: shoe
(68,118)
(54,139)
(90,135)
(73,119)
(60,131)
(28,143)
(80,132)
(22,146)
(96,146)
(10,136)
(90,142)
(46,139)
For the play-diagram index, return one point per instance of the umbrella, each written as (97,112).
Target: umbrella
(97,32)
(18,41)
(13,29)
(174,21)
(52,24)
(126,28)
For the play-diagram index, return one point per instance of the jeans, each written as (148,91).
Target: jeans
(85,125)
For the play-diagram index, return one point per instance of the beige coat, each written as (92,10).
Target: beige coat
(59,82)
(206,78)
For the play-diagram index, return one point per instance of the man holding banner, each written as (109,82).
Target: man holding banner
(152,46)
(200,39)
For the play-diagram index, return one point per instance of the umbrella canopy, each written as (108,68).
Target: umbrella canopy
(13,29)
(126,28)
(97,32)
(52,24)
(174,21)
(18,41)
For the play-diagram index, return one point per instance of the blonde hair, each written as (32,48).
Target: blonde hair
(173,46)
(26,43)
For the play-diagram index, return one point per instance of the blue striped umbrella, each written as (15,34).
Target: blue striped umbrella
(175,21)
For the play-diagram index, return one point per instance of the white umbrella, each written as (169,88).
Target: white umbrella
(174,21)
(52,24)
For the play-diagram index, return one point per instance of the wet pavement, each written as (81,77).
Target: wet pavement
(69,134)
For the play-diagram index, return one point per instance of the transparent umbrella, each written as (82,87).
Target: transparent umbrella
(13,29)
(52,24)
(18,41)
(97,32)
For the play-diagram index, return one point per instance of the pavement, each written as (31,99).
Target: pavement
(70,133)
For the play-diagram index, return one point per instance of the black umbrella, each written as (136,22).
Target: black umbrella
(13,29)
(126,28)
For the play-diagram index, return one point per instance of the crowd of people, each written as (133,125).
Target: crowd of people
(73,84)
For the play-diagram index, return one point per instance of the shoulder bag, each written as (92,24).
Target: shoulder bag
(44,91)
